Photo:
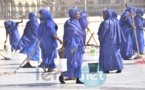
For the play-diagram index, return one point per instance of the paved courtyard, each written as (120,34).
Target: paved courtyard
(132,77)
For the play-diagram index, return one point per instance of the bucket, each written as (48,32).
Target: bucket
(61,64)
(60,53)
(7,47)
(93,67)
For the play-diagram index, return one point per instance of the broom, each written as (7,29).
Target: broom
(5,58)
(28,57)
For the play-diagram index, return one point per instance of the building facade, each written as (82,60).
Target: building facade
(13,9)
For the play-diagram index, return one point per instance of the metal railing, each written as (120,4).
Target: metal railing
(11,11)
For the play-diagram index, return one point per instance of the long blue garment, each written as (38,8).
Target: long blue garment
(110,37)
(12,30)
(29,38)
(140,34)
(48,42)
(126,25)
(73,44)
(83,22)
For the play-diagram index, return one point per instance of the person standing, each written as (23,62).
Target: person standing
(110,37)
(48,40)
(84,23)
(29,40)
(139,30)
(12,30)
(127,26)
(73,46)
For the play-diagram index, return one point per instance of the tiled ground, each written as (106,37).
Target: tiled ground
(132,77)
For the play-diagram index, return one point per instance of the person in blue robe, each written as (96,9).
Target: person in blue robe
(48,40)
(84,23)
(110,37)
(73,46)
(29,40)
(127,26)
(139,30)
(12,30)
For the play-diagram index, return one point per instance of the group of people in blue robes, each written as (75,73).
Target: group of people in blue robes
(131,20)
(116,38)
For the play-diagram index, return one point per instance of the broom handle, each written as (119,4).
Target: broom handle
(30,55)
(89,40)
(135,37)
(93,37)
(2,55)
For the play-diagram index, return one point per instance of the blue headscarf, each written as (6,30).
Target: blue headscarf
(72,26)
(133,8)
(84,14)
(140,11)
(126,15)
(129,9)
(30,35)
(83,19)
(110,31)
(32,17)
(72,12)
(46,15)
(7,23)
(107,13)
(114,14)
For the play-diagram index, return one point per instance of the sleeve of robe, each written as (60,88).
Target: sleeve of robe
(130,22)
(17,23)
(51,27)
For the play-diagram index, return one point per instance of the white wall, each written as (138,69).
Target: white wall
(94,24)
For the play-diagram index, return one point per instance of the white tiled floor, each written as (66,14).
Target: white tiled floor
(132,77)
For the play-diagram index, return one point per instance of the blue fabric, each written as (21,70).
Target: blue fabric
(140,34)
(29,38)
(110,37)
(48,43)
(72,12)
(84,24)
(14,36)
(73,44)
(126,24)
(115,15)
(140,11)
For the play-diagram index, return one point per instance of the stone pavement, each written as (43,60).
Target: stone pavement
(132,77)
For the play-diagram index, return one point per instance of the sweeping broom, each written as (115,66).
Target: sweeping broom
(5,58)
(27,59)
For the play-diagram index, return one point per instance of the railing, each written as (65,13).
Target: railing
(60,11)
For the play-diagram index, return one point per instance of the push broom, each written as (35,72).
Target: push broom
(5,58)
(27,59)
